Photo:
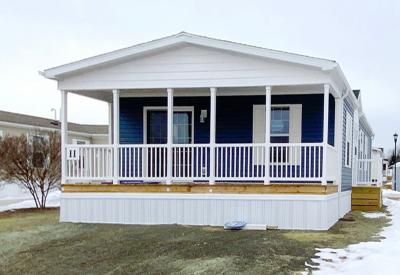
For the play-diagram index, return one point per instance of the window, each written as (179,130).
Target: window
(280,124)
(349,137)
(38,143)
(80,141)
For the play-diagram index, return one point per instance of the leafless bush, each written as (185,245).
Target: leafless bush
(33,161)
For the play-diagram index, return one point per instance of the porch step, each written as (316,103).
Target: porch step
(366,198)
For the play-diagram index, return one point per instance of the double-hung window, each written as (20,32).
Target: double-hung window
(349,138)
(280,124)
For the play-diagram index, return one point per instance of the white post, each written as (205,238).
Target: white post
(116,136)
(170,134)
(110,119)
(267,132)
(325,134)
(213,108)
(64,134)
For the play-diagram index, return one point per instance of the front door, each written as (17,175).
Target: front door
(157,134)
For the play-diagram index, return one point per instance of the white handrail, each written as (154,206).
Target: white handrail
(288,162)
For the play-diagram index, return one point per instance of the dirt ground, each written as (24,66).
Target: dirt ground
(34,242)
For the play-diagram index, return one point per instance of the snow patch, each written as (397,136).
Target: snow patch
(18,202)
(366,257)
(374,215)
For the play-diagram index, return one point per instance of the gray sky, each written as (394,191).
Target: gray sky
(363,36)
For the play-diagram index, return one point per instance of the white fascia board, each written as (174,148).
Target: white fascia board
(56,72)
(366,123)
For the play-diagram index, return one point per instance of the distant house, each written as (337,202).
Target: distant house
(21,124)
(207,131)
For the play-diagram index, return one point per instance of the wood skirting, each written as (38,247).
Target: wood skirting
(366,198)
(218,188)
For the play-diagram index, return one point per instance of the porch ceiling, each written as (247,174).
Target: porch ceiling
(106,95)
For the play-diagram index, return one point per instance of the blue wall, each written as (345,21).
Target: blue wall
(346,172)
(234,117)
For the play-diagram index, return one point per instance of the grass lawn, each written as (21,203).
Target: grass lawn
(34,242)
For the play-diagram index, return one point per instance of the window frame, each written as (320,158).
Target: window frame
(348,140)
(283,106)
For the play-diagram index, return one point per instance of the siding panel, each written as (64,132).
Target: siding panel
(234,117)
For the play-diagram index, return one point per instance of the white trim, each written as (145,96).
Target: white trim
(213,115)
(184,38)
(115,136)
(348,138)
(158,108)
(64,134)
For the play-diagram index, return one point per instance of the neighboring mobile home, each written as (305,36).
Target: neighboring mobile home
(207,131)
(16,124)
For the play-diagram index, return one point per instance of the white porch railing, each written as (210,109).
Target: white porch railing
(89,162)
(302,162)
(368,171)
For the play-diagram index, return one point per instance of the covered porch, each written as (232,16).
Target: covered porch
(257,135)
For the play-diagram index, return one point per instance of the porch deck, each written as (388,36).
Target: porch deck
(202,188)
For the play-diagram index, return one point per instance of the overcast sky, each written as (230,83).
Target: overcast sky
(363,36)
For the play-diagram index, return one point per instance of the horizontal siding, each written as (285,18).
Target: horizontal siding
(234,117)
(346,172)
(192,66)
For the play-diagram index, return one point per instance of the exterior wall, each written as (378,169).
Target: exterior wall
(302,212)
(192,66)
(346,172)
(234,117)
(17,131)
(369,137)
(100,139)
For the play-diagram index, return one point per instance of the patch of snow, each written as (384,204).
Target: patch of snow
(366,257)
(374,215)
(10,203)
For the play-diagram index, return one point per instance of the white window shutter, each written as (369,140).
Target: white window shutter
(295,115)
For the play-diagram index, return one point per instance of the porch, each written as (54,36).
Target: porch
(264,150)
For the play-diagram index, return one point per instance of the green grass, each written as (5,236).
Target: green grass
(34,242)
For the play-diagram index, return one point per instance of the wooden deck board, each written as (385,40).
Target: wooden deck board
(219,188)
(366,198)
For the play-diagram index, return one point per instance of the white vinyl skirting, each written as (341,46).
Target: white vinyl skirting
(303,212)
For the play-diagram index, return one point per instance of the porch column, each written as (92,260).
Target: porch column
(325,133)
(116,136)
(213,108)
(267,132)
(64,134)
(110,127)
(170,134)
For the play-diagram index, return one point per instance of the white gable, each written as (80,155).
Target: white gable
(188,65)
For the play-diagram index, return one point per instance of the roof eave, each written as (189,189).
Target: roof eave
(56,72)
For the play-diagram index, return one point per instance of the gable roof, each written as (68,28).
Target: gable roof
(182,38)
(41,122)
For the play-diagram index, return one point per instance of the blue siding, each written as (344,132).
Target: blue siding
(346,172)
(234,117)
